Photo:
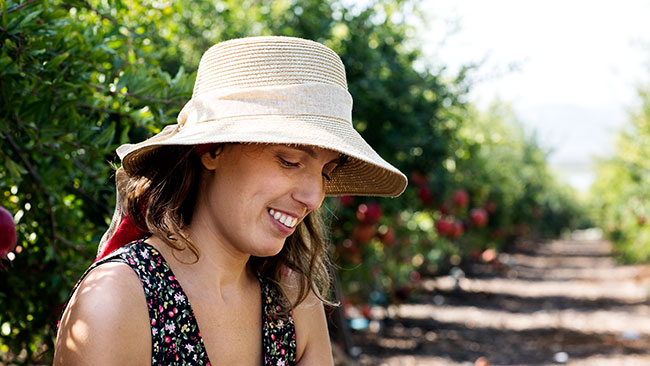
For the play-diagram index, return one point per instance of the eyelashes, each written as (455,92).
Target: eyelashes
(291,164)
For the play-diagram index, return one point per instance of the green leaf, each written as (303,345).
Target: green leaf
(105,138)
(15,170)
(56,61)
(30,17)
(3,4)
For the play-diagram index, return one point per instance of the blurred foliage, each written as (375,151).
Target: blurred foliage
(489,166)
(80,77)
(621,193)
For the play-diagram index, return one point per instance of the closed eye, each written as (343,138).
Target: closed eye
(289,164)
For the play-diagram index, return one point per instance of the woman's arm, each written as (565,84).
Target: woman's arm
(312,336)
(106,321)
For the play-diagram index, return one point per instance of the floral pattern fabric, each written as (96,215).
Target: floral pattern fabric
(175,335)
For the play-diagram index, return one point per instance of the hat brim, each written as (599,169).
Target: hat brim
(365,173)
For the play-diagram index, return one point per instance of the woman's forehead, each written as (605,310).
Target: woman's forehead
(315,151)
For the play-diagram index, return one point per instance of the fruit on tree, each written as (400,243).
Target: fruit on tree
(369,213)
(424,193)
(346,201)
(478,217)
(419,179)
(388,237)
(445,226)
(415,276)
(8,236)
(491,207)
(461,198)
(364,232)
(458,230)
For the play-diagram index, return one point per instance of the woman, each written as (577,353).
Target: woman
(223,207)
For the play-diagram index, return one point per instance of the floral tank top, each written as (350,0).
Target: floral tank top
(175,335)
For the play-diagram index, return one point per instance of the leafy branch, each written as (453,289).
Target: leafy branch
(18,7)
(38,183)
(137,97)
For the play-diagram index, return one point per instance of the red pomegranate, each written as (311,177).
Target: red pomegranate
(461,198)
(363,233)
(445,226)
(458,230)
(8,236)
(478,216)
(388,237)
(424,193)
(415,276)
(491,207)
(346,201)
(369,213)
(419,179)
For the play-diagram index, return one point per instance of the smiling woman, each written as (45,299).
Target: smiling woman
(221,211)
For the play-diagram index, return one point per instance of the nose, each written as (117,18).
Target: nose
(310,191)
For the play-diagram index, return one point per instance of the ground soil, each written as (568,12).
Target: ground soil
(547,303)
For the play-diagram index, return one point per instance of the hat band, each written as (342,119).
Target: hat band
(299,99)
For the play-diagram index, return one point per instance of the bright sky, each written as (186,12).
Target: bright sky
(569,68)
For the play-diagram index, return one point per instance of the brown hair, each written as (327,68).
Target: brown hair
(169,195)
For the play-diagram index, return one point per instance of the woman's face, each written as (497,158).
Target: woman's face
(253,196)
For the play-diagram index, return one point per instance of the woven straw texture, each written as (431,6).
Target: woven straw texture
(275,90)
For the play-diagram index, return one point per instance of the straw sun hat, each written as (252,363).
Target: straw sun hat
(273,90)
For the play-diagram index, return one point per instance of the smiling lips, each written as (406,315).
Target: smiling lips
(286,220)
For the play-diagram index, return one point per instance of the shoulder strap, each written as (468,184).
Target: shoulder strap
(278,333)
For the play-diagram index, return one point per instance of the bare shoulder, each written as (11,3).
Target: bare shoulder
(106,321)
(312,336)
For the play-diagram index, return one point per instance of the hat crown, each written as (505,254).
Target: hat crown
(268,61)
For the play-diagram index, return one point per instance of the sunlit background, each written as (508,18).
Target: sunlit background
(485,259)
(570,69)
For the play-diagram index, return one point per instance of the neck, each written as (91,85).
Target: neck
(219,267)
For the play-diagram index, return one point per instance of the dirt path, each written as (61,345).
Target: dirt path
(563,302)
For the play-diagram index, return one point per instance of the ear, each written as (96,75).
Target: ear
(209,160)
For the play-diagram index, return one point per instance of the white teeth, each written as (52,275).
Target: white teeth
(287,221)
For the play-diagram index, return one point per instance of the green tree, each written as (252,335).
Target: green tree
(621,194)
(80,77)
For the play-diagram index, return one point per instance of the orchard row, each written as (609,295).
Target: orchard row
(72,93)
(499,192)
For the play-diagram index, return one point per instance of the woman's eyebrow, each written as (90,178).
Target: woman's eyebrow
(311,152)
(306,149)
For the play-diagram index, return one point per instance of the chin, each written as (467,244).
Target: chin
(268,250)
